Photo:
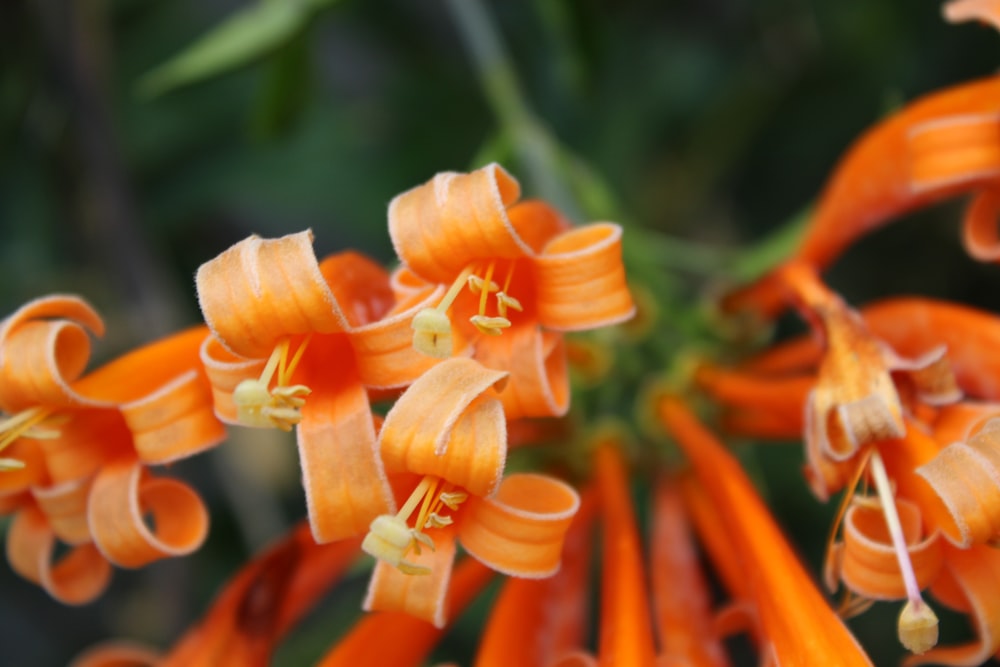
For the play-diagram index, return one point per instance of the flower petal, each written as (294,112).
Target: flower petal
(122,495)
(520,531)
(262,290)
(958,11)
(411,638)
(86,441)
(225,371)
(868,563)
(444,426)
(626,630)
(794,616)
(681,598)
(581,279)
(65,509)
(78,577)
(534,621)
(423,595)
(536,360)
(117,654)
(979,229)
(954,149)
(345,484)
(440,227)
(359,285)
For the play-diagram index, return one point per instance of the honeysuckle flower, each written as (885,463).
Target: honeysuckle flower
(447,430)
(796,624)
(517,273)
(79,445)
(298,342)
(939,146)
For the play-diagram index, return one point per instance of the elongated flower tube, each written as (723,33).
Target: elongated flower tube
(297,342)
(795,620)
(447,430)
(86,440)
(941,145)
(518,274)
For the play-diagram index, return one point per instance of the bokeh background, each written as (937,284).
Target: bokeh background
(127,159)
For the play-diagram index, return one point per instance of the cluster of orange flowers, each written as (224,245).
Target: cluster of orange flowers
(898,406)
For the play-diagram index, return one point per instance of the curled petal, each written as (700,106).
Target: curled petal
(956,422)
(78,577)
(536,360)
(422,595)
(443,426)
(65,508)
(442,226)
(384,349)
(359,285)
(120,499)
(959,11)
(966,477)
(225,372)
(868,563)
(581,279)
(345,485)
(262,290)
(534,621)
(520,531)
(979,230)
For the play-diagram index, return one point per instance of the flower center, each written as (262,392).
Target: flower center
(258,404)
(25,424)
(432,326)
(390,537)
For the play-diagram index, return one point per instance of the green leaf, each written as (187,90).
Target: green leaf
(247,35)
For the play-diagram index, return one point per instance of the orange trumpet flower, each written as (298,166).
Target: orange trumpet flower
(297,342)
(519,261)
(446,429)
(80,443)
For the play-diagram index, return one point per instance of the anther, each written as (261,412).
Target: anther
(491,326)
(432,326)
(259,405)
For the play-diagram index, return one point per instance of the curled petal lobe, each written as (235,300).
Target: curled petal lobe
(345,484)
(868,563)
(65,508)
(966,477)
(520,531)
(443,426)
(440,227)
(77,578)
(536,360)
(359,285)
(422,595)
(987,11)
(262,290)
(581,279)
(225,372)
(120,499)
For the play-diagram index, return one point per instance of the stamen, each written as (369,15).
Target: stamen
(504,299)
(845,503)
(917,627)
(432,326)
(390,538)
(491,326)
(26,424)
(261,406)
(488,280)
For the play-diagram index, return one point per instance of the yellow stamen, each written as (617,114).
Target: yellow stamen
(432,326)
(390,538)
(504,299)
(257,404)
(26,424)
(917,626)
(488,280)
(491,326)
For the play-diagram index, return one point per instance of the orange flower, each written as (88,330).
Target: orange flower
(942,145)
(799,627)
(538,276)
(447,430)
(80,444)
(301,342)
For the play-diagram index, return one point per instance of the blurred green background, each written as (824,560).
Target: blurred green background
(714,121)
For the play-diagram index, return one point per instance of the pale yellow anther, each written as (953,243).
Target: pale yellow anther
(452,499)
(258,406)
(31,423)
(435,520)
(918,627)
(491,326)
(505,301)
(476,285)
(432,333)
(389,539)
(11,464)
